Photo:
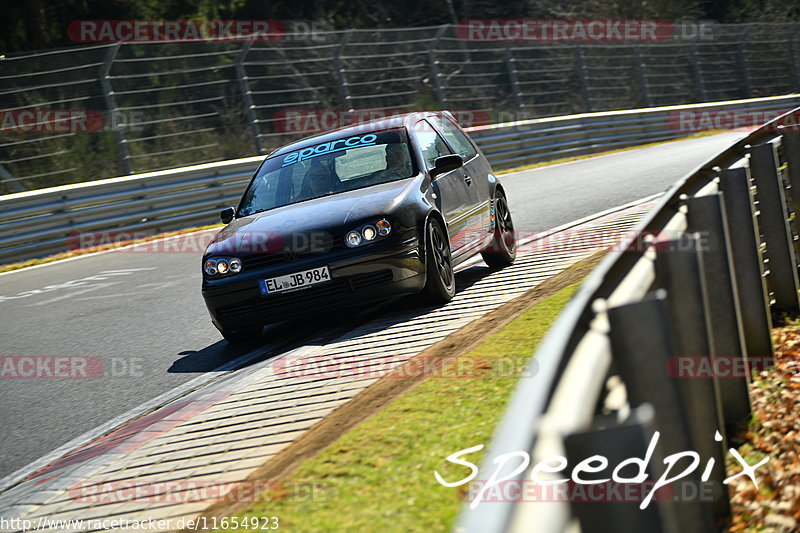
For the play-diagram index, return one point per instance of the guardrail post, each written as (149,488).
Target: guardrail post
(247,96)
(111,104)
(618,443)
(697,70)
(793,57)
(640,71)
(744,73)
(642,347)
(678,271)
(344,94)
(514,82)
(580,63)
(433,67)
(782,263)
(7,178)
(706,217)
(749,271)
(790,139)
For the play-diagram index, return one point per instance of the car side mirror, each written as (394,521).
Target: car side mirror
(446,163)
(226,215)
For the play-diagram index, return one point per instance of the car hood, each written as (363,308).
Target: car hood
(323,218)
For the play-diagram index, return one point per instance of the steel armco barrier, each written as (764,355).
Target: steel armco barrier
(43,222)
(698,279)
(47,221)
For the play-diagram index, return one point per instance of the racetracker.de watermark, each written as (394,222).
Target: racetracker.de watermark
(320,242)
(67,120)
(313,120)
(69,367)
(104,31)
(234,242)
(715,366)
(700,120)
(591,239)
(196,491)
(581,30)
(401,367)
(525,490)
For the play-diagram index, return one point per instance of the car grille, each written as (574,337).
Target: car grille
(374,278)
(321,298)
(288,254)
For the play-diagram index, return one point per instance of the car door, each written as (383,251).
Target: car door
(474,176)
(451,196)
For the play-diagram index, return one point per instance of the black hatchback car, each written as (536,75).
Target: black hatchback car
(359,214)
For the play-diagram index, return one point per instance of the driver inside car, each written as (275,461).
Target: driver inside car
(319,181)
(398,164)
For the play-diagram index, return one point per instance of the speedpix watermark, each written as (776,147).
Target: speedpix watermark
(594,465)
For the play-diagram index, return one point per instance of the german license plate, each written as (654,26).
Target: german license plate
(296,281)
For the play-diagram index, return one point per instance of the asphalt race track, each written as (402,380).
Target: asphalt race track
(141,314)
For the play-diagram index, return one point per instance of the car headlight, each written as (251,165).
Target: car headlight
(222,266)
(384,228)
(353,239)
(368,233)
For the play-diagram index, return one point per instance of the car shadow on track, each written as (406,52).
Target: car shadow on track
(315,331)
(208,359)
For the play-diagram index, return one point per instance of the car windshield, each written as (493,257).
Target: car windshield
(328,168)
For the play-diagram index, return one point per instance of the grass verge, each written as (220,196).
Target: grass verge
(377,474)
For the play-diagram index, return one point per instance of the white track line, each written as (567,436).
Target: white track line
(139,411)
(101,252)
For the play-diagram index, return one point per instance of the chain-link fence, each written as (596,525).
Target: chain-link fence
(97,111)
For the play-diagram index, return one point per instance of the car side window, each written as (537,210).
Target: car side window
(456,138)
(432,144)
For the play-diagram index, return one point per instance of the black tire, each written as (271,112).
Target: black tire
(503,250)
(440,285)
(243,336)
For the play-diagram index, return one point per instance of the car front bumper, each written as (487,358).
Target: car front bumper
(374,274)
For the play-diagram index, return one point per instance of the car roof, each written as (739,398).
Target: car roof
(395,121)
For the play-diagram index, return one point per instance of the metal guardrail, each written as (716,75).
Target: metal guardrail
(532,141)
(720,258)
(37,223)
(47,221)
